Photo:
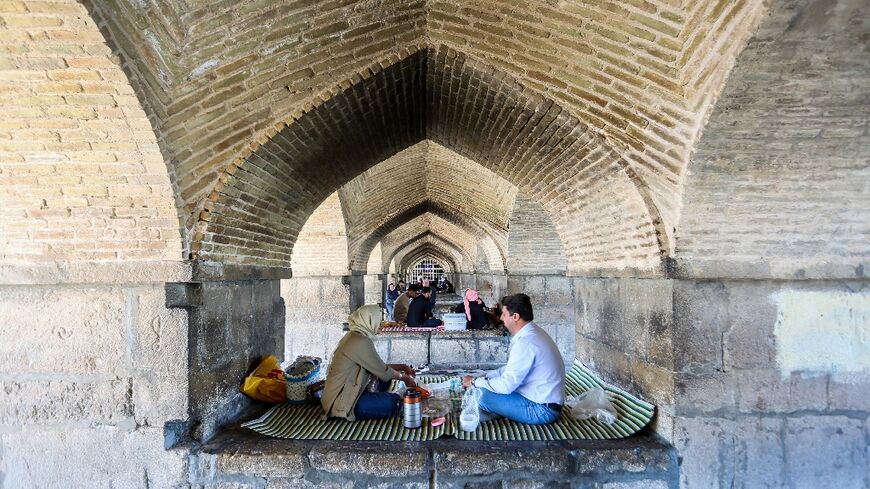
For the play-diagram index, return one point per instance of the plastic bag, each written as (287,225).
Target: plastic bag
(266,382)
(594,403)
(469,419)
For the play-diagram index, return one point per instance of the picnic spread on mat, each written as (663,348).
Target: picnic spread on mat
(304,422)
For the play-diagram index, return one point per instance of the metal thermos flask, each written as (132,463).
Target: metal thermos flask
(412,415)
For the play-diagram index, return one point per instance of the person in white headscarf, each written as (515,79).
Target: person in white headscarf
(353,364)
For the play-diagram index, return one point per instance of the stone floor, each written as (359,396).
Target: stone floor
(240,458)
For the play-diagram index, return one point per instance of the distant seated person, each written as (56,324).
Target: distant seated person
(400,309)
(430,308)
(474,309)
(531,387)
(418,315)
(354,365)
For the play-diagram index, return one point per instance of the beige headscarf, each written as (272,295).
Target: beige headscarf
(365,320)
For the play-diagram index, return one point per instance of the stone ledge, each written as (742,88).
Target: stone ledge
(641,461)
(131,272)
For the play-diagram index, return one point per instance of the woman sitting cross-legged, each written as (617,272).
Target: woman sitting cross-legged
(353,366)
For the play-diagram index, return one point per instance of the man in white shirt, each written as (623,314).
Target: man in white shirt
(531,387)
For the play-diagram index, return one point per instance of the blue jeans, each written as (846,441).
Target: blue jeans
(374,405)
(516,407)
(430,323)
(389,307)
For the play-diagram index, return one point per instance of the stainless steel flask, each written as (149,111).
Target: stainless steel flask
(412,414)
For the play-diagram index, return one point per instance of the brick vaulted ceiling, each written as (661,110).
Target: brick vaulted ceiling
(590,108)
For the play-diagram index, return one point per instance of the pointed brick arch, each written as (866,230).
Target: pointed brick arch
(478,230)
(604,221)
(464,261)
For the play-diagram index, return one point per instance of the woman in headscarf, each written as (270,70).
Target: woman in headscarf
(474,309)
(352,367)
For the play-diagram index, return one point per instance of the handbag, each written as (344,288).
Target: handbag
(300,374)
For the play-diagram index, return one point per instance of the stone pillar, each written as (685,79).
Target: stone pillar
(356,282)
(233,325)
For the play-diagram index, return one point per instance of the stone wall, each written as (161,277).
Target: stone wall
(445,350)
(243,462)
(317,309)
(552,297)
(93,372)
(233,326)
(624,330)
(777,373)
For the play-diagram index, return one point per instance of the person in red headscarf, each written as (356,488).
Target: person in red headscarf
(474,309)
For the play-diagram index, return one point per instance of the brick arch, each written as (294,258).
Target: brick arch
(464,264)
(472,228)
(426,171)
(253,216)
(426,251)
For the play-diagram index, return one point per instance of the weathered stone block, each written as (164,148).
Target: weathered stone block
(447,352)
(559,291)
(639,484)
(849,392)
(382,346)
(411,349)
(707,448)
(407,462)
(29,402)
(289,463)
(62,330)
(767,391)
(334,292)
(287,483)
(749,341)
(759,453)
(536,288)
(158,398)
(826,451)
(654,383)
(515,284)
(618,460)
(455,462)
(115,458)
(554,315)
(701,314)
(698,394)
(493,350)
(160,344)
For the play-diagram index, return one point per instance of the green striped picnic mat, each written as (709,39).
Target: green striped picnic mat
(303,422)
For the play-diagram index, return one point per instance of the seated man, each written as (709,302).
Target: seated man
(400,309)
(418,315)
(531,387)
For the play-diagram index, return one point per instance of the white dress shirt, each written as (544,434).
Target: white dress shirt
(534,369)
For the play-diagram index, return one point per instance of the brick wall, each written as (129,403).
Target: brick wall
(214,77)
(778,184)
(81,176)
(534,246)
(321,248)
